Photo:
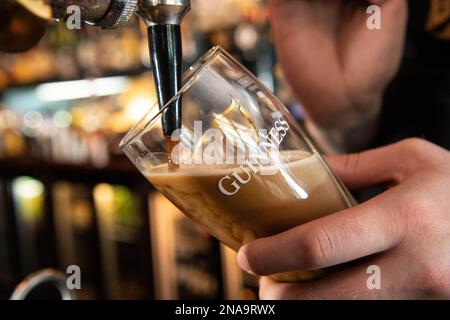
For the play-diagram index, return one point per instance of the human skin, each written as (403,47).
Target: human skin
(404,231)
(337,67)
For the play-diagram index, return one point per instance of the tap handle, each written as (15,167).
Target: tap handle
(107,14)
(34,280)
(119,13)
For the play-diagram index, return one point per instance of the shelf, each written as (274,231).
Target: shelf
(120,170)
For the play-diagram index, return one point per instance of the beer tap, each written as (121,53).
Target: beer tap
(162,18)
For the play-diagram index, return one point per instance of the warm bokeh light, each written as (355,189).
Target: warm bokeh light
(62,119)
(38,7)
(79,89)
(28,194)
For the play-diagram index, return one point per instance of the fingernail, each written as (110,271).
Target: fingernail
(243,261)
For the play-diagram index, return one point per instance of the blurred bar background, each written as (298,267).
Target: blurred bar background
(67,194)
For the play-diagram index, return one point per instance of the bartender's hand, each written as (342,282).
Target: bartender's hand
(405,231)
(337,67)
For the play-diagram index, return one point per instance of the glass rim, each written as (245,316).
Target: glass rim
(203,63)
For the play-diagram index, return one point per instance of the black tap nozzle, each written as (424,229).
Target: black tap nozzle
(166,58)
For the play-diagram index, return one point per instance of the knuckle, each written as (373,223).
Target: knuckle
(264,293)
(416,147)
(433,282)
(272,291)
(284,291)
(420,154)
(316,248)
(417,210)
(267,294)
(414,143)
(421,206)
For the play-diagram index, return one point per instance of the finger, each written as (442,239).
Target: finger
(371,227)
(387,164)
(368,168)
(359,282)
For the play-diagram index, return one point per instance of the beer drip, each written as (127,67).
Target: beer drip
(170,145)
